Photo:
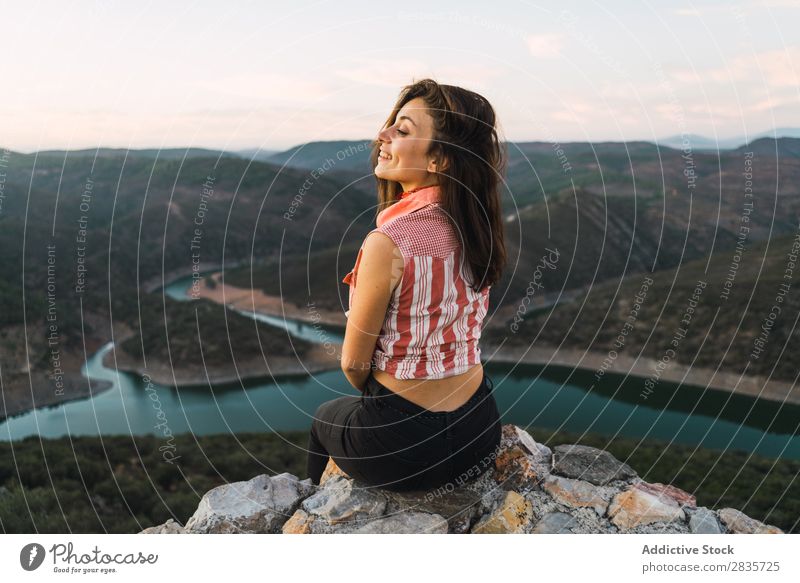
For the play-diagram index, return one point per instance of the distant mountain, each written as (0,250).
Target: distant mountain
(256,154)
(704,143)
(782,147)
(342,155)
(149,153)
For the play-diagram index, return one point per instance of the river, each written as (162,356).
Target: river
(554,398)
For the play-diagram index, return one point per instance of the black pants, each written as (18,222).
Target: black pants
(386,441)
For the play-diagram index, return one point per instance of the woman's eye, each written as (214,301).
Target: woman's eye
(402,133)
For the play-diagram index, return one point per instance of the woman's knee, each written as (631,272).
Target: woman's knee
(327,410)
(323,416)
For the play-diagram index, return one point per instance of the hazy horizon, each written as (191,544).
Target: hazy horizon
(754,136)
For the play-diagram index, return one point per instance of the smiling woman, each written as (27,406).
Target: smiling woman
(419,293)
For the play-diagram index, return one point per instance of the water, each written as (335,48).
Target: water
(555,398)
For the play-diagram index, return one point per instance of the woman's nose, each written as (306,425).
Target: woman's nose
(383,135)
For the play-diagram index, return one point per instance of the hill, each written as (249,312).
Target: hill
(702,313)
(85,238)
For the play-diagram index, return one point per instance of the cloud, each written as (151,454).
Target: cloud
(779,68)
(545,46)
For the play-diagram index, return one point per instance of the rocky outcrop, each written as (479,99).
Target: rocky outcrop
(529,489)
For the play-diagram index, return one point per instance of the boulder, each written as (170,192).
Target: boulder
(577,493)
(513,515)
(406,523)
(704,521)
(342,500)
(634,507)
(739,523)
(582,462)
(169,527)
(259,505)
(555,523)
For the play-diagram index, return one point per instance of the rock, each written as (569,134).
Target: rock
(513,515)
(532,446)
(704,521)
(406,523)
(555,523)
(679,496)
(341,500)
(525,487)
(634,507)
(739,523)
(576,493)
(169,527)
(590,464)
(298,523)
(331,470)
(458,505)
(259,505)
(521,463)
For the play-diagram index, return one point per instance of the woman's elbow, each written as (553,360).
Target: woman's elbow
(349,364)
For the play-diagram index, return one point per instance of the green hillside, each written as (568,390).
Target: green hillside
(721,329)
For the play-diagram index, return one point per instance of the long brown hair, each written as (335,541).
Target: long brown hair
(465,138)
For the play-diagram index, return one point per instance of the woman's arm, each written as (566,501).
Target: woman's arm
(378,275)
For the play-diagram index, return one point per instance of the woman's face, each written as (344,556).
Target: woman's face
(406,141)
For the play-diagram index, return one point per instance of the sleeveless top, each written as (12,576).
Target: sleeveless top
(434,318)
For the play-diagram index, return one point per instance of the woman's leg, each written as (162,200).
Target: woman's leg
(328,437)
(317,455)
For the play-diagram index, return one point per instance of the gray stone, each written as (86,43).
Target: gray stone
(340,500)
(555,523)
(169,527)
(739,523)
(458,506)
(259,505)
(704,521)
(577,493)
(406,523)
(589,463)
(532,446)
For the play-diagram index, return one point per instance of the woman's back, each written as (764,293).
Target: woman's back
(428,348)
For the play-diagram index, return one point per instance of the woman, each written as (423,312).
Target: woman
(419,292)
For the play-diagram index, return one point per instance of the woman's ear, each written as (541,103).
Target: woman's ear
(435,166)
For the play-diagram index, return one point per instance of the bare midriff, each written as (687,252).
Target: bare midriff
(445,394)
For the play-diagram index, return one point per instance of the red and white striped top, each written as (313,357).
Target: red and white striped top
(434,318)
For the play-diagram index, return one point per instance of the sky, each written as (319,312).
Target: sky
(234,75)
